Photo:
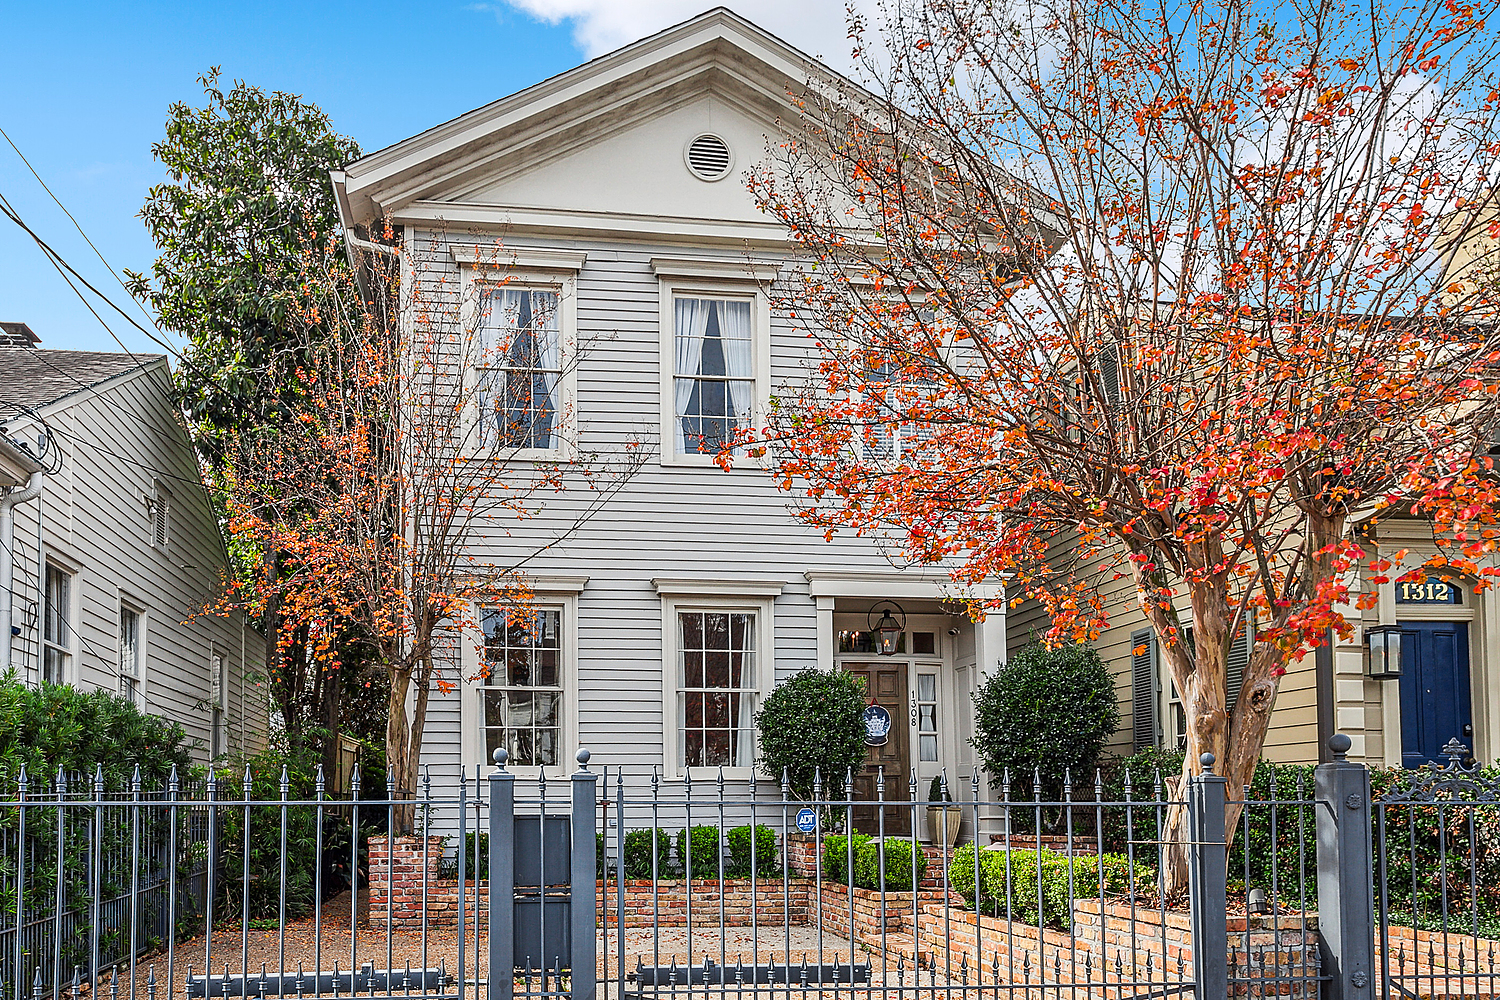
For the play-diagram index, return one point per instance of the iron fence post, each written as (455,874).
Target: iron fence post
(1207,870)
(582,887)
(502,889)
(1346,916)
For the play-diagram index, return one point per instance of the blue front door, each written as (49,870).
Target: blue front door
(1434,690)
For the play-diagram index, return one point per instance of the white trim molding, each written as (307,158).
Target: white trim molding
(915,585)
(556,585)
(503,258)
(714,269)
(736,587)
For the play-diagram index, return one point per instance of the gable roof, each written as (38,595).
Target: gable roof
(35,377)
(718,49)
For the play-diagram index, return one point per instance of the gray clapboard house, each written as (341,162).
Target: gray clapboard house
(111,547)
(603,216)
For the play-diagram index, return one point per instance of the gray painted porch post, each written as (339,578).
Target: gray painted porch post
(1207,870)
(1346,914)
(502,901)
(582,891)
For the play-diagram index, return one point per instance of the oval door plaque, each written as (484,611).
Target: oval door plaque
(877,726)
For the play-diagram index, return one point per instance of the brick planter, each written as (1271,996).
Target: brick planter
(666,904)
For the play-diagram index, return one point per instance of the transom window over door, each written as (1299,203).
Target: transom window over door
(520,366)
(714,374)
(716,688)
(523,687)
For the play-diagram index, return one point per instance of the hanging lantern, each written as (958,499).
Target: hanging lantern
(1383,652)
(889,628)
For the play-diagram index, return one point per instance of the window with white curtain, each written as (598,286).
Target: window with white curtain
(714,372)
(132,654)
(522,689)
(716,688)
(57,626)
(519,361)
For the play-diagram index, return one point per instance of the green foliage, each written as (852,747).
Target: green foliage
(936,792)
(836,855)
(1046,708)
(898,853)
(247,200)
(341,850)
(707,850)
(54,726)
(813,722)
(740,849)
(638,849)
(1011,882)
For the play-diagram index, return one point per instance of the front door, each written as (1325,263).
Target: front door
(1434,690)
(885,685)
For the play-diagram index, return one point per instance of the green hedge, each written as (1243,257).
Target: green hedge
(898,864)
(1012,889)
(740,848)
(836,855)
(708,849)
(638,844)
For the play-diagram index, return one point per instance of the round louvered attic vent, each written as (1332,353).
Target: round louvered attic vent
(709,158)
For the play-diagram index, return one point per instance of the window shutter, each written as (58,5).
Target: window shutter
(1143,698)
(1234,666)
(1109,373)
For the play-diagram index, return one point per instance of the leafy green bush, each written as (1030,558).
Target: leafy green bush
(898,854)
(707,850)
(740,850)
(638,854)
(1010,880)
(813,722)
(1046,708)
(836,855)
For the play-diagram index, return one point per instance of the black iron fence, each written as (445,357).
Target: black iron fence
(618,884)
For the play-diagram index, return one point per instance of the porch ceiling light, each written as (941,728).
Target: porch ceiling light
(1383,652)
(888,629)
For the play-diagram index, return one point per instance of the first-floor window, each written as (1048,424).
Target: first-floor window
(927,741)
(522,688)
(57,626)
(132,654)
(716,688)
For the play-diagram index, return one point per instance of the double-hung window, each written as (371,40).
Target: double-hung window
(716,687)
(132,655)
(519,362)
(522,690)
(714,363)
(57,626)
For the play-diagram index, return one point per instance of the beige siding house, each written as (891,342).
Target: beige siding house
(114,549)
(604,213)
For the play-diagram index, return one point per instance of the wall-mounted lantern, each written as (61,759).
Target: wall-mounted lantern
(1383,652)
(888,629)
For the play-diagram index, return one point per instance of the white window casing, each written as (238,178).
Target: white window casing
(707,352)
(679,688)
(525,373)
(134,652)
(59,623)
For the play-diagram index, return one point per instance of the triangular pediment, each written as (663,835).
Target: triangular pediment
(608,136)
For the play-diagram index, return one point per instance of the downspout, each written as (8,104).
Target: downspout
(30,491)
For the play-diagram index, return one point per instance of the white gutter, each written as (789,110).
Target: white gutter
(30,491)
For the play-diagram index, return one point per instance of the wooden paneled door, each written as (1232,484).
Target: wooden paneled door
(885,685)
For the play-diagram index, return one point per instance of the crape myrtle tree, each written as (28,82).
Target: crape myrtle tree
(1107,290)
(390,482)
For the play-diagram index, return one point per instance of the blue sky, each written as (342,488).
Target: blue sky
(85,87)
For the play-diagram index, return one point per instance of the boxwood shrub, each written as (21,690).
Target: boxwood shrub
(738,865)
(836,855)
(1014,891)
(898,864)
(638,854)
(708,848)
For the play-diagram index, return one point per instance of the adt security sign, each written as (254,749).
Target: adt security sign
(807,820)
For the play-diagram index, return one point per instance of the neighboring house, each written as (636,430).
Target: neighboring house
(603,217)
(112,547)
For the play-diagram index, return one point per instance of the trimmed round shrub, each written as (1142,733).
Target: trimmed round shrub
(1009,887)
(707,850)
(1046,708)
(836,855)
(638,853)
(813,722)
(899,854)
(741,849)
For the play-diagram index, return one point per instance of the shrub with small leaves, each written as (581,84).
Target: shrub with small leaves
(900,855)
(707,849)
(638,844)
(741,849)
(1012,881)
(836,853)
(813,723)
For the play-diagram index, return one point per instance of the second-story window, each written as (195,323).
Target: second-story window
(714,373)
(520,366)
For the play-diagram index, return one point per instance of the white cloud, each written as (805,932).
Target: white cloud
(817,27)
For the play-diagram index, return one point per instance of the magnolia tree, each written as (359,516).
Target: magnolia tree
(1178,294)
(389,481)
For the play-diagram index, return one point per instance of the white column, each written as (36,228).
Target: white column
(825,634)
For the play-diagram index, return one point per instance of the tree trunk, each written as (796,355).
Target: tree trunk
(399,749)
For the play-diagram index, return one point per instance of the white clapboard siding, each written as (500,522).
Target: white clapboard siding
(116,441)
